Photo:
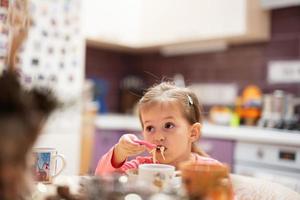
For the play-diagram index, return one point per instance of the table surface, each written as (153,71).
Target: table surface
(244,188)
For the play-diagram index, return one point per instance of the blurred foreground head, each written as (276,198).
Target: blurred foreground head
(22,116)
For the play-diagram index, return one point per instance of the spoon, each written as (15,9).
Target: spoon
(147,144)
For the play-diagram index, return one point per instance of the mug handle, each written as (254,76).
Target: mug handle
(63,163)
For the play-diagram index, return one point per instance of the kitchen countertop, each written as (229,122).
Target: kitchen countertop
(243,133)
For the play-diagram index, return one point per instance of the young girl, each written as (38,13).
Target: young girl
(171,120)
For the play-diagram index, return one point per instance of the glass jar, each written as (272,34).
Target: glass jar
(204,181)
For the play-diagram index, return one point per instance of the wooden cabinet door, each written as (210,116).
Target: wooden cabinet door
(103,141)
(219,149)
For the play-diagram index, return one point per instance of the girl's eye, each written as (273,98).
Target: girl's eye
(150,129)
(169,125)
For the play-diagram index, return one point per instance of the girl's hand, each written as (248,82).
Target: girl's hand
(126,147)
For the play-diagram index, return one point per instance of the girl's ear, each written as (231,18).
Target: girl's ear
(195,131)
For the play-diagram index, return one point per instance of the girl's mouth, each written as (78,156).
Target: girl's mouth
(161,148)
(158,149)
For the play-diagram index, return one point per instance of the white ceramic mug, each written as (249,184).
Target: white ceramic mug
(45,164)
(158,175)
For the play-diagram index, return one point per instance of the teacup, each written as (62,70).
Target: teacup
(45,164)
(157,175)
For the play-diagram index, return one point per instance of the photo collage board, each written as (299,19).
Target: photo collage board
(3,33)
(53,53)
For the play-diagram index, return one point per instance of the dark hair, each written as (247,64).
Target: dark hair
(188,101)
(22,115)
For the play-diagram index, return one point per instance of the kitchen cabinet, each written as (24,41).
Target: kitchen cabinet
(163,25)
(275,163)
(103,141)
(275,4)
(220,149)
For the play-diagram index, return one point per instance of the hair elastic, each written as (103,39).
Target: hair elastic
(190,100)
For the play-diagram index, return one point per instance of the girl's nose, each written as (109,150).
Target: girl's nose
(159,137)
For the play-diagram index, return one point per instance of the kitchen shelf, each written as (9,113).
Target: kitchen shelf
(243,133)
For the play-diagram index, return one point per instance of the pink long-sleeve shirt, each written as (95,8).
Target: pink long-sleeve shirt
(105,163)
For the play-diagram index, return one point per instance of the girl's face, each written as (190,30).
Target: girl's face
(164,124)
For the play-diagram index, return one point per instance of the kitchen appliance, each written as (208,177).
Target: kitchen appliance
(271,162)
(279,111)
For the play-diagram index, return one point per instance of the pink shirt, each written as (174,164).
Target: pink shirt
(105,163)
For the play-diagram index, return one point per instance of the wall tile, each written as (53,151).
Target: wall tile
(285,21)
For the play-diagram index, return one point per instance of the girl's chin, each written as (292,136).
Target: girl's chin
(162,161)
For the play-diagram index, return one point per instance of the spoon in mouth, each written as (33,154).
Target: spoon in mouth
(153,148)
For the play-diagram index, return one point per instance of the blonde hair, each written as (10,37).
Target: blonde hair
(188,101)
